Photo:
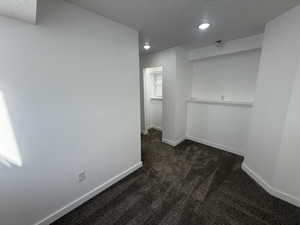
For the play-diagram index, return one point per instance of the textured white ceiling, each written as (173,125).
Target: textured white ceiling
(19,9)
(174,22)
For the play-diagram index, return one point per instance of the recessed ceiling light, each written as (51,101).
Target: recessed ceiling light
(147,46)
(204,26)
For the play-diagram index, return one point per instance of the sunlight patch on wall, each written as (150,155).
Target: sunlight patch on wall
(9,151)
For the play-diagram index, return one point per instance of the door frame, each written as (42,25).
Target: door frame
(147,94)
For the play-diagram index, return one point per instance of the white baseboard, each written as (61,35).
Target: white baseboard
(69,207)
(271,190)
(257,178)
(215,145)
(173,143)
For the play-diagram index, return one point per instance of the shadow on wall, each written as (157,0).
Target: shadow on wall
(9,150)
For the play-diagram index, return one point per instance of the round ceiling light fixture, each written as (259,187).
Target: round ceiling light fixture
(204,26)
(147,46)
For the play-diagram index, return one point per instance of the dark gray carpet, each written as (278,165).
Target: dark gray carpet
(191,184)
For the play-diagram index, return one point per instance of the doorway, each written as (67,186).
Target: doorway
(153,97)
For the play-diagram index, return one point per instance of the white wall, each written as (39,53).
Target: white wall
(183,90)
(142,97)
(288,167)
(63,84)
(272,148)
(156,113)
(233,76)
(220,125)
(275,81)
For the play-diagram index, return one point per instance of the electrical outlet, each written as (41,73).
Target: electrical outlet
(81,176)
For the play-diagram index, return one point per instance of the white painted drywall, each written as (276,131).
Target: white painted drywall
(232,76)
(156,113)
(230,47)
(25,10)
(221,126)
(287,169)
(183,90)
(273,144)
(71,86)
(279,61)
(142,97)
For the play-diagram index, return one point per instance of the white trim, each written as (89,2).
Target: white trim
(220,102)
(173,143)
(69,207)
(155,69)
(257,178)
(215,145)
(156,98)
(271,190)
